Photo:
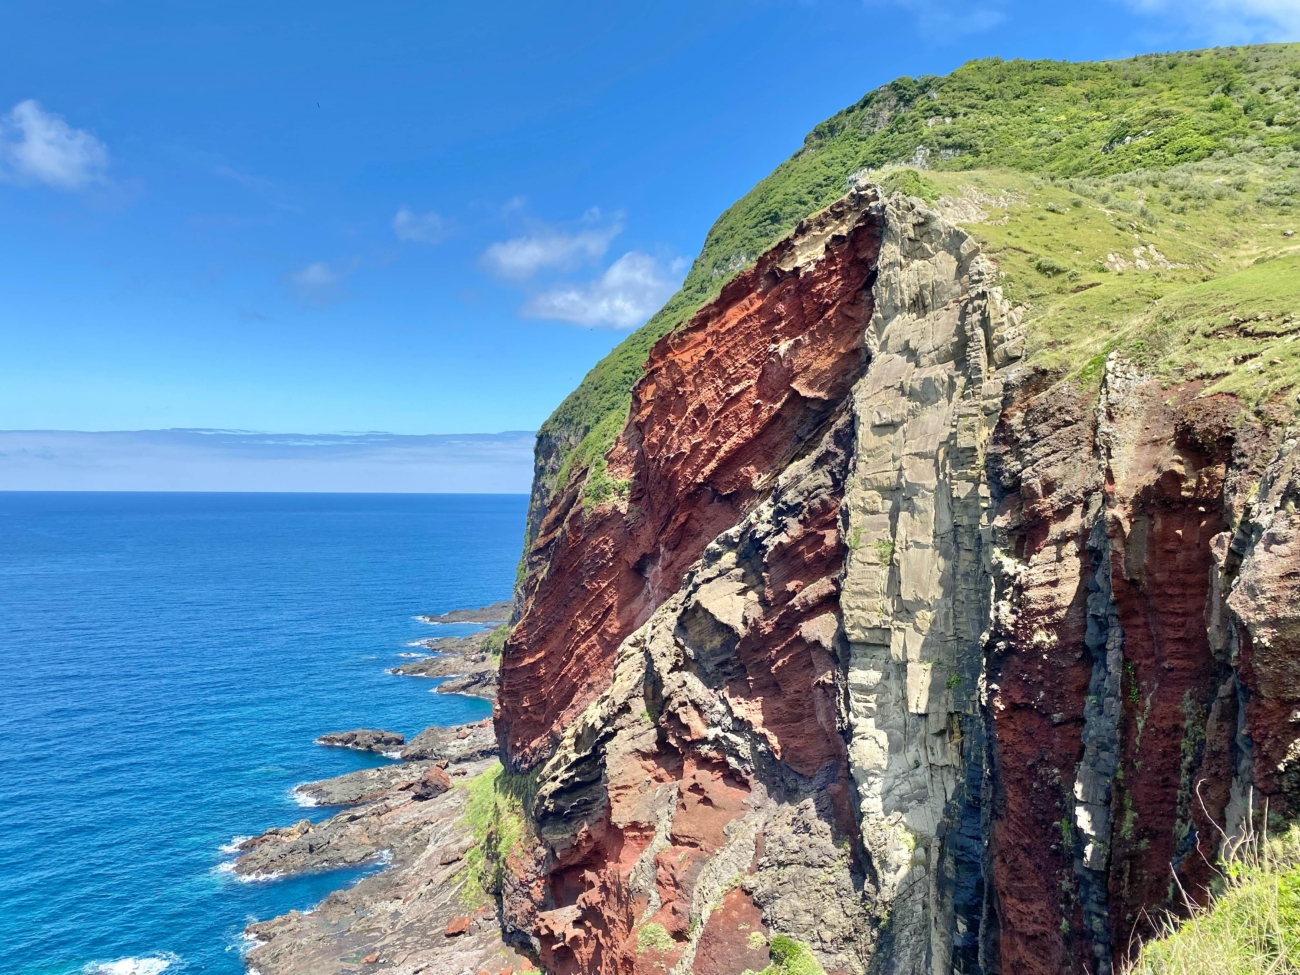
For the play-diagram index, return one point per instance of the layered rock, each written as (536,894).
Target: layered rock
(725,403)
(872,637)
(930,660)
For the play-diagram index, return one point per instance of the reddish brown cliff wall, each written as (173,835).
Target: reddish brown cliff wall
(724,404)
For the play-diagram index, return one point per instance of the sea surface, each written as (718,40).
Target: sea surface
(166,661)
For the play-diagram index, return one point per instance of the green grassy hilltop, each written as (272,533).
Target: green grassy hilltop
(1140,205)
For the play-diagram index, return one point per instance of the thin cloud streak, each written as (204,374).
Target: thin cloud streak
(321,283)
(1230,21)
(420,228)
(521,257)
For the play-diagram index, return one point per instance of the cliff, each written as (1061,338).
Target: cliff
(918,592)
(927,594)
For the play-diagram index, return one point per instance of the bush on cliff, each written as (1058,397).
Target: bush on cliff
(790,957)
(1252,925)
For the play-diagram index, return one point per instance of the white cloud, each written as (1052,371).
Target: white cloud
(630,291)
(423,228)
(320,283)
(1231,20)
(37,146)
(522,257)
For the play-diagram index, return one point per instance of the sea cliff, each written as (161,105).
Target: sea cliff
(918,593)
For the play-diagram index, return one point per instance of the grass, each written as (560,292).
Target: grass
(789,957)
(495,815)
(1084,126)
(654,937)
(1250,927)
(1218,300)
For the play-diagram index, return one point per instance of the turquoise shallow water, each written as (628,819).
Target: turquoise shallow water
(166,661)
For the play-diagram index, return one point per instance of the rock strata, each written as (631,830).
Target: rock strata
(875,638)
(930,660)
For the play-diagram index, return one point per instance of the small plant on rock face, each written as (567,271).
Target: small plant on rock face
(791,957)
(653,937)
(953,682)
(756,941)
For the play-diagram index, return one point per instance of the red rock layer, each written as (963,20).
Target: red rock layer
(1044,448)
(1165,461)
(1166,488)
(780,680)
(723,405)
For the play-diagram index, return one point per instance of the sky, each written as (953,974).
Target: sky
(421,218)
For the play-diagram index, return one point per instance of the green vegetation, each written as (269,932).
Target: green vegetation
(1194,154)
(496,640)
(654,937)
(1251,926)
(495,814)
(884,549)
(790,957)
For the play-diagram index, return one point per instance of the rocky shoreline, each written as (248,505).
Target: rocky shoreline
(421,914)
(466,662)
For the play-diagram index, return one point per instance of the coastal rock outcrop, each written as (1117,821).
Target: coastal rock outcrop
(463,662)
(364,740)
(463,743)
(415,915)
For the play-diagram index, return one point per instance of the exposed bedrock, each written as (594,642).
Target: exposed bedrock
(930,660)
(723,406)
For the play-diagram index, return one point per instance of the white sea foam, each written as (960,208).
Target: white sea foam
(234,844)
(151,965)
(257,876)
(416,656)
(391,754)
(305,801)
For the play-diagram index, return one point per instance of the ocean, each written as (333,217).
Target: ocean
(166,661)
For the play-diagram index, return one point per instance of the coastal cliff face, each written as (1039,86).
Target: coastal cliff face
(877,638)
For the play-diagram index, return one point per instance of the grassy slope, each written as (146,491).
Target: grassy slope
(1252,927)
(1002,122)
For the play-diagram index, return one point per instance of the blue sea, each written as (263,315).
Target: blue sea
(166,661)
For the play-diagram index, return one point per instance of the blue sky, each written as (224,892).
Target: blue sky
(422,218)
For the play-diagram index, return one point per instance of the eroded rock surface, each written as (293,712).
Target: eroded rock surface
(877,639)
(364,740)
(462,661)
(971,672)
(462,743)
